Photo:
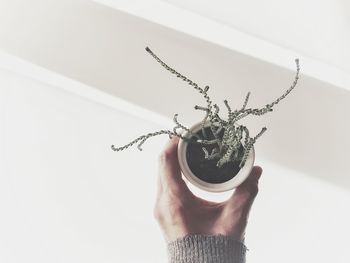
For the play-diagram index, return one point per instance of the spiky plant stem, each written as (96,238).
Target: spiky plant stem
(230,143)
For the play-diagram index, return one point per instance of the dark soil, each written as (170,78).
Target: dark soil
(206,170)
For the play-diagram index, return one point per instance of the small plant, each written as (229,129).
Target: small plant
(234,136)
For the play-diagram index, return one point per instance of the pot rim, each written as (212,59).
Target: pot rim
(211,187)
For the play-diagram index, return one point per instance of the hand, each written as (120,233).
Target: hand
(179,212)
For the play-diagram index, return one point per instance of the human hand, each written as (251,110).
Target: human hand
(179,212)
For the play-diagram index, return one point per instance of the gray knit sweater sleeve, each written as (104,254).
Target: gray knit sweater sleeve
(206,249)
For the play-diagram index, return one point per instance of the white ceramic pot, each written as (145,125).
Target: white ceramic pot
(212,187)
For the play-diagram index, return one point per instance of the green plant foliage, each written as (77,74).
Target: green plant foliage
(235,135)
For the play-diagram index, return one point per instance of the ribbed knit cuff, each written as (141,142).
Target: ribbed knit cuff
(206,249)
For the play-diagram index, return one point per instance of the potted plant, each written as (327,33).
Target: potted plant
(216,154)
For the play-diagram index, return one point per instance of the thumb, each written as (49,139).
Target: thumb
(239,204)
(245,193)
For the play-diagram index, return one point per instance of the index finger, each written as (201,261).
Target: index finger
(169,168)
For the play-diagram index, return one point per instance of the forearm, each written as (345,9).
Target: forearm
(206,249)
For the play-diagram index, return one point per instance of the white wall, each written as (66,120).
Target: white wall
(66,197)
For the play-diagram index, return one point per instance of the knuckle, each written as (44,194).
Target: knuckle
(254,189)
(249,191)
(252,192)
(164,156)
(157,213)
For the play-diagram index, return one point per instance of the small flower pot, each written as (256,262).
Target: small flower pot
(205,174)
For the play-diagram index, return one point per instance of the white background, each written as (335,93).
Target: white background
(65,196)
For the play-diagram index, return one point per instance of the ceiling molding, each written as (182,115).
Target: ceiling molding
(204,28)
